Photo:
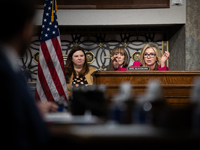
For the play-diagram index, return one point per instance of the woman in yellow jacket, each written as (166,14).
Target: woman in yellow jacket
(77,71)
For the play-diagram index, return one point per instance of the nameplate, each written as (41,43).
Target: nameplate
(139,68)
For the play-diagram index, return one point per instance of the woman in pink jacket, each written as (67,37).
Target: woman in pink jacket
(121,60)
(150,57)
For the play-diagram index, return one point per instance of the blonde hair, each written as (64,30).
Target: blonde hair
(116,50)
(156,50)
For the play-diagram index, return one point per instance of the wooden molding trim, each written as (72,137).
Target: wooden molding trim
(62,4)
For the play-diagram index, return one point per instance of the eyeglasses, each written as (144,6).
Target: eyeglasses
(151,55)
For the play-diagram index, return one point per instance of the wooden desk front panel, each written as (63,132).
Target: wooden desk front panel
(143,77)
(176,85)
(173,94)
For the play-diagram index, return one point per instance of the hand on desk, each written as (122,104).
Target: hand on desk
(47,107)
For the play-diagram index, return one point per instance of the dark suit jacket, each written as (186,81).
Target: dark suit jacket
(22,125)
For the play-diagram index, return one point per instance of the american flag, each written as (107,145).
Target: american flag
(51,83)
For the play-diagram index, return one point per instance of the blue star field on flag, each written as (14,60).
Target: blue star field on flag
(49,29)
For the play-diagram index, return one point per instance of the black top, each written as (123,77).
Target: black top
(79,82)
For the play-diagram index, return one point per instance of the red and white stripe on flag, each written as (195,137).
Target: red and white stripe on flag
(51,84)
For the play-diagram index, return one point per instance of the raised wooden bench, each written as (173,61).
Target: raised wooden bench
(176,85)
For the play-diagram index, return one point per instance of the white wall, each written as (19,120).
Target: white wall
(172,15)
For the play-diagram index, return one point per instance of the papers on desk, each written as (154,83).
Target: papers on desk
(67,118)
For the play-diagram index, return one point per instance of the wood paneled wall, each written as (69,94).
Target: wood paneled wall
(108,4)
